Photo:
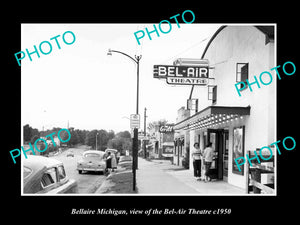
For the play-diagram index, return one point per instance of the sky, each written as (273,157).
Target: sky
(82,85)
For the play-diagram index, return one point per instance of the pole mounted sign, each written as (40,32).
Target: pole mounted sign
(184,71)
(182,75)
(168,128)
(135,121)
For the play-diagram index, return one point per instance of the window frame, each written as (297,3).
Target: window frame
(239,74)
(58,173)
(55,181)
(29,172)
(212,93)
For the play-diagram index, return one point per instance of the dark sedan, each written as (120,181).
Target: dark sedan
(46,175)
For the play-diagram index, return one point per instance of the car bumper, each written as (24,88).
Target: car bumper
(96,169)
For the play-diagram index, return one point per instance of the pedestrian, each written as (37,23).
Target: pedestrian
(197,154)
(208,156)
(113,162)
(108,162)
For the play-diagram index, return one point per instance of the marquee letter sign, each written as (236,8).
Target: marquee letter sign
(182,75)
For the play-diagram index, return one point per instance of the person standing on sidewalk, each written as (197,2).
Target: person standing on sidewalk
(108,162)
(113,162)
(208,156)
(197,154)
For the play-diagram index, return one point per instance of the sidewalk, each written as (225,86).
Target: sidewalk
(161,177)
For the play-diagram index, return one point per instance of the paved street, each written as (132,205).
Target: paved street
(153,177)
(87,182)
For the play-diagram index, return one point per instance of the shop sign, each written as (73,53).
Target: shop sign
(168,128)
(141,135)
(182,75)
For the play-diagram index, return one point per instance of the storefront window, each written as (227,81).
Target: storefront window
(238,148)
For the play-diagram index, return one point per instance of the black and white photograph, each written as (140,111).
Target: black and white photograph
(173,112)
(111,109)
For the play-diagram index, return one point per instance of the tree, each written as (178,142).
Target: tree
(90,139)
(81,135)
(64,135)
(29,133)
(156,124)
(121,142)
(74,138)
(124,134)
(43,146)
(33,139)
(103,139)
(111,134)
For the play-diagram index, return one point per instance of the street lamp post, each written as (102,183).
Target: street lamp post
(135,131)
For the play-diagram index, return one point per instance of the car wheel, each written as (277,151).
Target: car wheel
(80,171)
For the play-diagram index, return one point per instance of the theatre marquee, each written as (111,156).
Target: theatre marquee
(182,75)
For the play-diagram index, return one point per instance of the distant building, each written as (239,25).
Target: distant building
(181,138)
(161,141)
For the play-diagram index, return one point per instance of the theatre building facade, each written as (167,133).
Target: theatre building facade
(234,124)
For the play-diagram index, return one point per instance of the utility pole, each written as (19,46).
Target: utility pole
(96,140)
(145,116)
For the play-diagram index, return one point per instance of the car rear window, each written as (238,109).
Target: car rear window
(49,177)
(93,155)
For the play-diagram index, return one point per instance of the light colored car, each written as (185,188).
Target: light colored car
(70,153)
(46,175)
(111,150)
(92,160)
(125,158)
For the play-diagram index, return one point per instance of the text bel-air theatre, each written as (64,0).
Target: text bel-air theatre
(216,114)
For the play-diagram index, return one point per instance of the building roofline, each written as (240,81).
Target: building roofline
(267,30)
(211,39)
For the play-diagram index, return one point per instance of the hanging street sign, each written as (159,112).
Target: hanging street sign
(182,75)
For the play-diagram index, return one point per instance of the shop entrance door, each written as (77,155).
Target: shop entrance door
(225,154)
(216,137)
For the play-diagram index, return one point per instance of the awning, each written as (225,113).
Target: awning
(212,116)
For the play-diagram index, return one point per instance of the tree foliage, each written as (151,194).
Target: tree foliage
(121,142)
(30,133)
(105,139)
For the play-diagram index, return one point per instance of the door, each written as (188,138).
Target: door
(215,136)
(225,154)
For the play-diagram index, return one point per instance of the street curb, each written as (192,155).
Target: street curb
(105,186)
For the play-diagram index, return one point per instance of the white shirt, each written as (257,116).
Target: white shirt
(208,154)
(197,154)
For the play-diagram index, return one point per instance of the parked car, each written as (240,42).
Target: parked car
(125,158)
(125,162)
(92,160)
(46,175)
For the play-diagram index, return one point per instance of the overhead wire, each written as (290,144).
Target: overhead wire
(185,50)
